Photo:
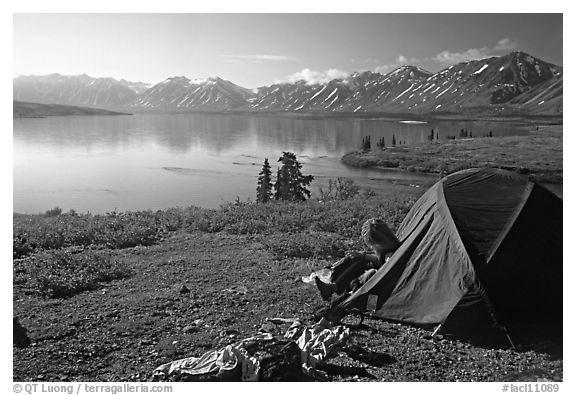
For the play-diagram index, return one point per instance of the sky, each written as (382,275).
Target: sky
(253,50)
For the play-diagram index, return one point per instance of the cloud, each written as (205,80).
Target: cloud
(384,69)
(401,60)
(244,59)
(505,45)
(449,58)
(312,77)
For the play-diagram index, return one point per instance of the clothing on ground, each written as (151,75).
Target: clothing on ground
(262,357)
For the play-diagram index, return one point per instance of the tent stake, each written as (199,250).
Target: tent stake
(437,329)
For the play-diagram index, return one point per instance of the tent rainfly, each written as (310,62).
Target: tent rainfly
(480,247)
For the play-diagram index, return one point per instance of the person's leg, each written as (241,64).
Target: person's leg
(326,289)
(354,270)
(334,314)
(345,270)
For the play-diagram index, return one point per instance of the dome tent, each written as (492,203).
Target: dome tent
(481,246)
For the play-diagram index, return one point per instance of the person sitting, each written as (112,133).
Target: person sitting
(355,269)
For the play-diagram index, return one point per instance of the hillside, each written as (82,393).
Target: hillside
(37,110)
(498,85)
(79,90)
(517,83)
(211,94)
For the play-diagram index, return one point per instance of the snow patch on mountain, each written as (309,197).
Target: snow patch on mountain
(403,92)
(481,69)
(331,94)
(317,93)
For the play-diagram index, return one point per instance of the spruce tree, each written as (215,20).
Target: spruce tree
(290,183)
(282,184)
(366,144)
(264,189)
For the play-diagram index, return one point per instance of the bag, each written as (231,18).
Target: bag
(279,361)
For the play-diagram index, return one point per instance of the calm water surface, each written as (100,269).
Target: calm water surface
(151,161)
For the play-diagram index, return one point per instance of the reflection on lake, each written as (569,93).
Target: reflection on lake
(151,161)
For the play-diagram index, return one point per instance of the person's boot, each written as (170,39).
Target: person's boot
(326,290)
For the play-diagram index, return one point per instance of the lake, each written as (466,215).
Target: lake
(152,161)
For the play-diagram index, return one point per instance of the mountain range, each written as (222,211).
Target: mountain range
(514,83)
(78,90)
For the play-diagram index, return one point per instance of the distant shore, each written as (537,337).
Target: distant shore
(538,155)
(39,110)
(544,119)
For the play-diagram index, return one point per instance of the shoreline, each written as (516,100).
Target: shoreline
(547,119)
(538,155)
(26,110)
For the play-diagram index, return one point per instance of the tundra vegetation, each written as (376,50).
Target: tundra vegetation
(62,253)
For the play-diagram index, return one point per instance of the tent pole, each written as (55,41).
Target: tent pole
(509,338)
(495,322)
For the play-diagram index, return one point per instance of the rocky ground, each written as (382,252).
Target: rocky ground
(127,328)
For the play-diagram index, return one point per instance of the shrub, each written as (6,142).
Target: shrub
(63,273)
(340,189)
(369,193)
(53,212)
(20,244)
(115,230)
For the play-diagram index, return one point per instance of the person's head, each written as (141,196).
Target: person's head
(378,236)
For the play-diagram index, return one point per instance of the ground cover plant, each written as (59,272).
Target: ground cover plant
(65,272)
(57,230)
